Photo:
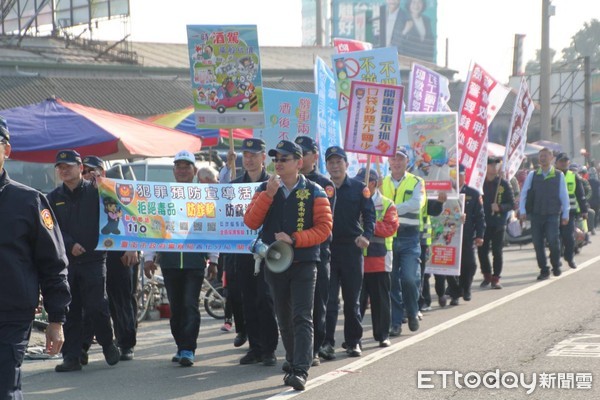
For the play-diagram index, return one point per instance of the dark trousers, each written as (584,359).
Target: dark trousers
(320,303)
(376,287)
(88,293)
(259,313)
(14,337)
(234,306)
(424,290)
(459,285)
(120,286)
(294,292)
(183,290)
(347,274)
(567,238)
(494,238)
(545,228)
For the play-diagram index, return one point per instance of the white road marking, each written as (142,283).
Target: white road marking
(379,354)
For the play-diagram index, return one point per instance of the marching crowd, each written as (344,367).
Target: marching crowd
(369,241)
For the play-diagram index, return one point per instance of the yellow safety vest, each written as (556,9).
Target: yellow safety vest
(403,193)
(571,181)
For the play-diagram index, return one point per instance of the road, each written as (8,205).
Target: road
(544,334)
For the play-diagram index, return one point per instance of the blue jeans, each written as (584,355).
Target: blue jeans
(545,228)
(406,275)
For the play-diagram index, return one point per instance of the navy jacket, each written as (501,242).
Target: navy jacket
(32,255)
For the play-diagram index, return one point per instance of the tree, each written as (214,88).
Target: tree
(586,42)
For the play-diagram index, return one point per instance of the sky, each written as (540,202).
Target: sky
(477,30)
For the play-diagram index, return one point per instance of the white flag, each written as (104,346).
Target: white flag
(517,136)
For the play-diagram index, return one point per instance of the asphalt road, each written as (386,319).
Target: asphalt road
(535,340)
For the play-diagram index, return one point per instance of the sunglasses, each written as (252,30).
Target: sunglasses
(281,160)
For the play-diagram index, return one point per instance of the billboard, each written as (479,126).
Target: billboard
(409,25)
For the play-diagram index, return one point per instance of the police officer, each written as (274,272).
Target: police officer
(122,270)
(296,211)
(184,275)
(353,206)
(408,193)
(32,255)
(310,153)
(259,313)
(76,205)
(498,200)
(577,207)
(473,231)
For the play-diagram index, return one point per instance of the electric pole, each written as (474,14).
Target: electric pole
(545,72)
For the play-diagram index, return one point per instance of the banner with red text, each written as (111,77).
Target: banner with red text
(446,239)
(517,136)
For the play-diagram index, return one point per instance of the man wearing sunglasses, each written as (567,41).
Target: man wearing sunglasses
(294,210)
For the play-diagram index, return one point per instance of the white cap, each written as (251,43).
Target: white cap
(185,155)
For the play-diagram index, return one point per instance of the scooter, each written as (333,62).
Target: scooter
(517,232)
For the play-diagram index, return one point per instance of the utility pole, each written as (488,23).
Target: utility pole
(587,109)
(545,72)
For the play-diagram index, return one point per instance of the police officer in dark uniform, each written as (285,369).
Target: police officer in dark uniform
(310,152)
(32,256)
(293,210)
(259,313)
(473,231)
(498,200)
(76,205)
(353,206)
(122,269)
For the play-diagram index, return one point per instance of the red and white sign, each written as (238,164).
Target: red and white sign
(348,45)
(482,98)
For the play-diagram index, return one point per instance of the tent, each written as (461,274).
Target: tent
(39,130)
(183,120)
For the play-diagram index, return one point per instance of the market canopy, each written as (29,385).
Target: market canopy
(183,120)
(38,131)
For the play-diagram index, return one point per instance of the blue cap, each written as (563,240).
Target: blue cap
(70,157)
(307,143)
(253,145)
(402,151)
(360,175)
(93,162)
(286,147)
(335,151)
(4,135)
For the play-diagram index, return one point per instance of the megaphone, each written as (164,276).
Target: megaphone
(278,256)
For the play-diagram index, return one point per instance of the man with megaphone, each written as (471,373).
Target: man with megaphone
(293,210)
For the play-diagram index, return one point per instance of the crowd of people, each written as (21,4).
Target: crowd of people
(366,236)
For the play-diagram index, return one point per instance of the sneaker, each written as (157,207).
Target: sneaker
(443,300)
(297,380)
(556,271)
(226,326)
(327,352)
(395,331)
(316,361)
(419,315)
(454,301)
(239,340)
(68,365)
(485,283)
(126,354)
(543,277)
(385,343)
(426,308)
(354,351)
(496,285)
(111,354)
(84,358)
(572,264)
(177,357)
(269,360)
(187,358)
(250,358)
(413,324)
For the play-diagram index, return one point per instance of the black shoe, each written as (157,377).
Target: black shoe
(467,294)
(297,380)
(395,331)
(111,354)
(84,358)
(239,340)
(572,264)
(354,351)
(454,301)
(126,354)
(413,324)
(316,361)
(556,271)
(68,365)
(385,343)
(327,352)
(286,367)
(250,358)
(543,277)
(344,346)
(269,360)
(443,300)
